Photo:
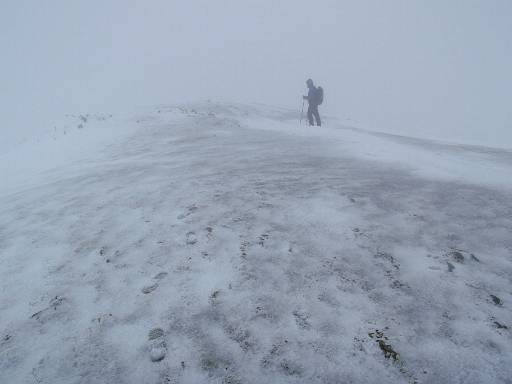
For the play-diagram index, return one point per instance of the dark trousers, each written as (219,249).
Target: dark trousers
(313,111)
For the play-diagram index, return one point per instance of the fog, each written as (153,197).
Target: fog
(437,69)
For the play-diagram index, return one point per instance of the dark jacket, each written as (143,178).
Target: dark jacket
(313,96)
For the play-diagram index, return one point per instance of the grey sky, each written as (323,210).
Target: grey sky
(431,68)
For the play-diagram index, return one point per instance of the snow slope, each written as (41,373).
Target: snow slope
(214,243)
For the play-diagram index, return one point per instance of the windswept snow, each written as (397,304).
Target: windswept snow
(214,243)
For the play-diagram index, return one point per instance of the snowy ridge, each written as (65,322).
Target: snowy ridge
(213,243)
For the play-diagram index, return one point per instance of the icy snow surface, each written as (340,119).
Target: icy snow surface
(214,243)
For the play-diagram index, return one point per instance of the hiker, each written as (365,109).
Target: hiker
(315,98)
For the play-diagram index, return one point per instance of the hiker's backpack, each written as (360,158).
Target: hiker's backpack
(319,95)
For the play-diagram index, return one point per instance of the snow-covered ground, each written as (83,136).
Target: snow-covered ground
(214,243)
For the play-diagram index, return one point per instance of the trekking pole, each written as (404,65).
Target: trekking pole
(302,112)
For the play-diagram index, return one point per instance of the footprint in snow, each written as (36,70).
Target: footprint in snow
(190,210)
(50,311)
(160,276)
(157,346)
(149,288)
(302,320)
(213,299)
(496,300)
(209,233)
(497,324)
(243,248)
(460,256)
(456,255)
(191,238)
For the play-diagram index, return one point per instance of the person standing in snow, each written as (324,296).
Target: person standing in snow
(314,98)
